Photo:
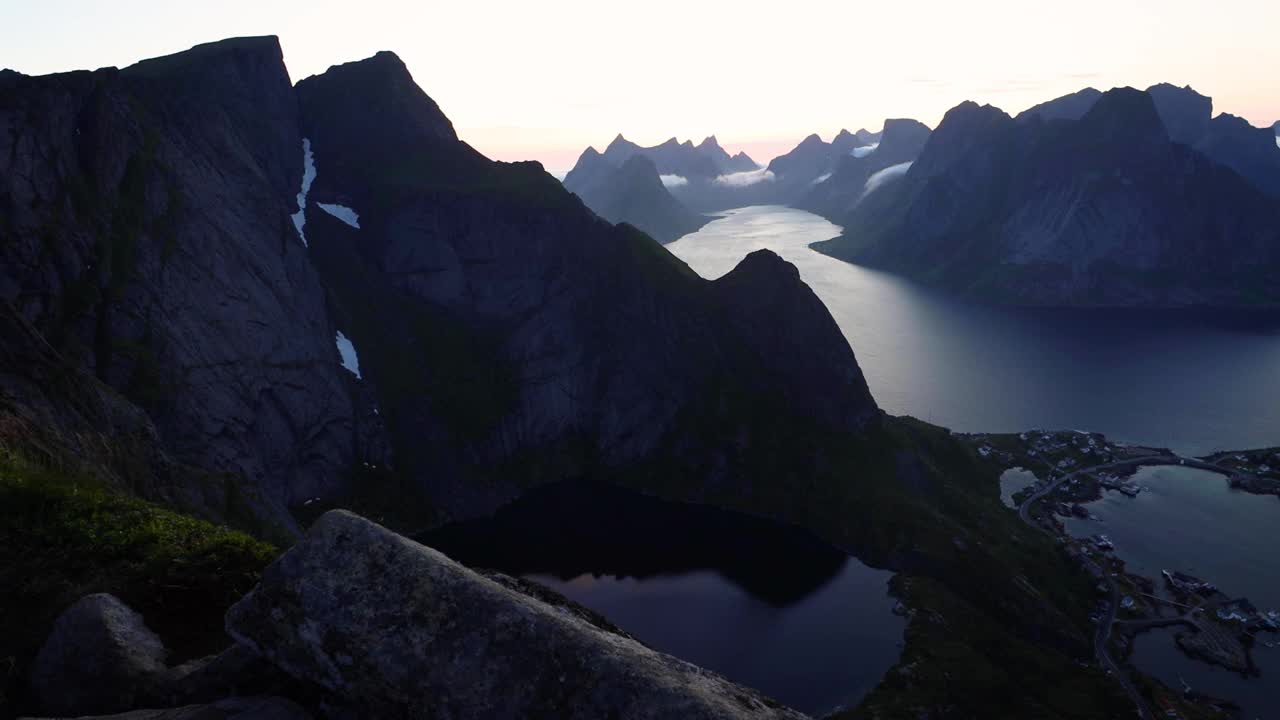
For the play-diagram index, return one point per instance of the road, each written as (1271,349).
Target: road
(1103,636)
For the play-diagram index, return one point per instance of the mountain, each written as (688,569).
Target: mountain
(702,177)
(253,302)
(866,137)
(632,193)
(1067,107)
(837,194)
(810,162)
(726,163)
(1188,117)
(1108,210)
(671,157)
(150,243)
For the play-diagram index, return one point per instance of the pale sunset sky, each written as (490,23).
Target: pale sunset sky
(542,80)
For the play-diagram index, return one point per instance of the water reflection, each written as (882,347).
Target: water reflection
(766,605)
(1195,381)
(1191,520)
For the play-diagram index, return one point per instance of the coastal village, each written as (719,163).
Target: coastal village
(1065,471)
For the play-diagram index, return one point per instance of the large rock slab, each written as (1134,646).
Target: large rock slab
(401,630)
(100,657)
(253,708)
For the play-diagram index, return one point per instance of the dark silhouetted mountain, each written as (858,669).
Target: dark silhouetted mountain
(1104,211)
(1250,151)
(1067,107)
(833,198)
(1185,112)
(145,213)
(1188,118)
(504,333)
(632,194)
(866,137)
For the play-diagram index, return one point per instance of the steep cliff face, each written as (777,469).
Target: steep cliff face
(513,336)
(1107,210)
(632,193)
(147,236)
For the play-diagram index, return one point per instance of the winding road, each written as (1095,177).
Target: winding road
(1103,636)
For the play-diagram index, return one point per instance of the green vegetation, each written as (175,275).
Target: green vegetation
(1000,624)
(62,537)
(958,657)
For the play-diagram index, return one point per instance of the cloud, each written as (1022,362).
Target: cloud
(746,178)
(893,172)
(864,150)
(672,181)
(821,178)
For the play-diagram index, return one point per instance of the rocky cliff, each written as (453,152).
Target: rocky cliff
(514,337)
(145,214)
(1108,210)
(288,286)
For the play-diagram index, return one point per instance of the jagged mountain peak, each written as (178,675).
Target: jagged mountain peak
(1125,113)
(372,98)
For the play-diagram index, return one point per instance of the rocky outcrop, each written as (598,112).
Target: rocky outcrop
(147,239)
(634,194)
(100,657)
(834,196)
(402,631)
(1104,211)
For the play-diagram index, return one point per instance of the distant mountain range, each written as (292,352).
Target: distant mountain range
(631,193)
(835,193)
(634,184)
(706,178)
(1095,199)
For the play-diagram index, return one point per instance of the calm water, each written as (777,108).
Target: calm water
(1012,481)
(1154,651)
(1193,381)
(765,605)
(1191,520)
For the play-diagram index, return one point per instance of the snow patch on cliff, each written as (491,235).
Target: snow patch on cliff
(308,177)
(350,360)
(343,213)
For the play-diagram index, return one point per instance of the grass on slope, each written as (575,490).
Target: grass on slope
(62,538)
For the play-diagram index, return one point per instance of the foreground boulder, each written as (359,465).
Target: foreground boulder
(99,658)
(253,708)
(401,630)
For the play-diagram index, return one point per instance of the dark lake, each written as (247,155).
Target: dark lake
(1194,381)
(766,605)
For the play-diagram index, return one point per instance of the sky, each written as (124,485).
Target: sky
(542,80)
